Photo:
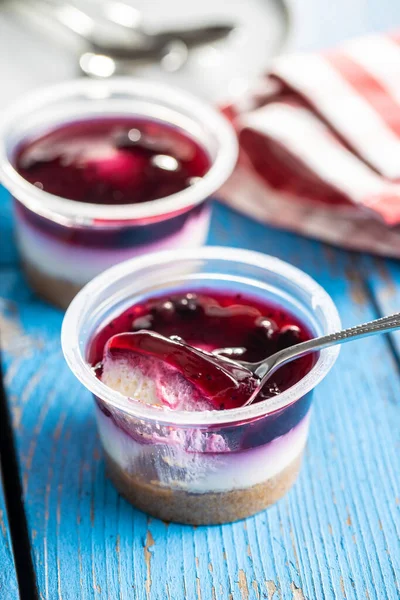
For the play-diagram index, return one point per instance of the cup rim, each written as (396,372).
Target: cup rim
(80,213)
(81,369)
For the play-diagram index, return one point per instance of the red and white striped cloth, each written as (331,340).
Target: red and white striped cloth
(320,146)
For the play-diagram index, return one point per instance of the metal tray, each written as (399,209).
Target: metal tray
(217,72)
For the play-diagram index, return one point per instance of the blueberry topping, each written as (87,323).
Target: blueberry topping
(288,336)
(225,324)
(113,160)
(268,326)
(164,310)
(187,305)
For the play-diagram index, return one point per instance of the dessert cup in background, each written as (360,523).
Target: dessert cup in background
(64,243)
(212,466)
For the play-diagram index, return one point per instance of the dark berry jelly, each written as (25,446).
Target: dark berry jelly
(199,328)
(120,160)
(214,383)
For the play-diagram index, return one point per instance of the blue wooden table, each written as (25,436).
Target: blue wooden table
(8,580)
(334,536)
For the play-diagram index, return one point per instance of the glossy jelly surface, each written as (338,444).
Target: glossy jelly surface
(196,327)
(112,160)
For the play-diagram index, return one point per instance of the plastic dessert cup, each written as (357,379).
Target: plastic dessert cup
(64,243)
(201,467)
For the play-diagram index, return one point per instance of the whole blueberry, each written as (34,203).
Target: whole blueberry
(288,336)
(164,310)
(267,326)
(188,305)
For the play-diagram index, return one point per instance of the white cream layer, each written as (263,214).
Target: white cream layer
(203,472)
(79,264)
(161,385)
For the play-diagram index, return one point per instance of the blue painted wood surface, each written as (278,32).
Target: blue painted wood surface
(8,581)
(335,535)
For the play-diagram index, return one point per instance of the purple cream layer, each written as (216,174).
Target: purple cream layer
(194,460)
(56,250)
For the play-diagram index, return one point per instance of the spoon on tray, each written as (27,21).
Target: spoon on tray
(115,37)
(265,368)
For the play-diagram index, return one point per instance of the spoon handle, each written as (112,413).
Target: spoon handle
(264,370)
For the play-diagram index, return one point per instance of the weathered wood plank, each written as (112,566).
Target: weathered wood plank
(8,580)
(8,254)
(383,277)
(334,536)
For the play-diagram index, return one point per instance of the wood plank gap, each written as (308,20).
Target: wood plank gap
(13,496)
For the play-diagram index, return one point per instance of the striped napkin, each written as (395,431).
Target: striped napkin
(320,146)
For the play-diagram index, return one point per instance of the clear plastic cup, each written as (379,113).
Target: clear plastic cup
(212,466)
(64,243)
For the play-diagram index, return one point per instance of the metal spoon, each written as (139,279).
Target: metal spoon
(170,48)
(265,368)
